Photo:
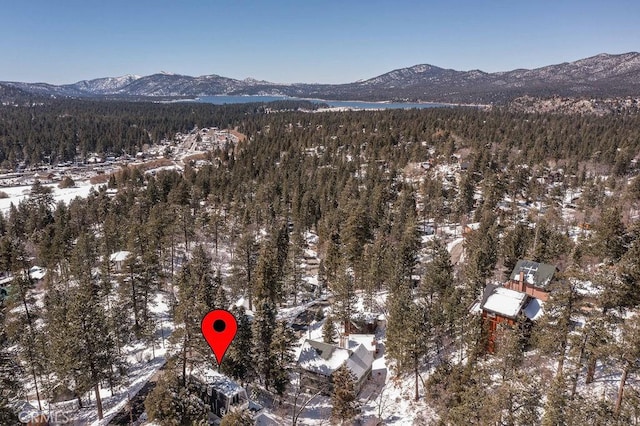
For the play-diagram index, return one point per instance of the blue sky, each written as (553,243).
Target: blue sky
(324,41)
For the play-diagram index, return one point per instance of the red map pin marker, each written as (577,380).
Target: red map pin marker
(219,327)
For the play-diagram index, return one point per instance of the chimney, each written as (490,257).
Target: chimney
(522,285)
(342,341)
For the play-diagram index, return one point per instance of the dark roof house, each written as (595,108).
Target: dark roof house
(220,394)
(534,273)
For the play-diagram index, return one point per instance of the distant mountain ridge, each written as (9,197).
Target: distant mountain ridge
(603,75)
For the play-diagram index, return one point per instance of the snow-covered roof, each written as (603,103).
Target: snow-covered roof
(534,309)
(37,272)
(324,359)
(219,382)
(225,386)
(368,340)
(119,256)
(473,226)
(503,301)
(360,362)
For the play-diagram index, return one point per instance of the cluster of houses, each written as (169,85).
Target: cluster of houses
(519,300)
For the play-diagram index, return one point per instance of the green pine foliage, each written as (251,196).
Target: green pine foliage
(359,181)
(408,335)
(170,403)
(329,330)
(263,329)
(238,360)
(9,370)
(282,350)
(343,396)
(237,418)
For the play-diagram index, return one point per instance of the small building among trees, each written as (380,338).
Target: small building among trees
(364,323)
(118,258)
(222,395)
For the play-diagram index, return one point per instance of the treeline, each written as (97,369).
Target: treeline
(63,130)
(57,131)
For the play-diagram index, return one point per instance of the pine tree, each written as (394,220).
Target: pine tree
(470,399)
(170,403)
(438,277)
(10,387)
(406,255)
(294,266)
(237,418)
(408,338)
(343,397)
(329,330)
(196,295)
(548,244)
(22,321)
(628,354)
(376,277)
(82,349)
(514,246)
(263,329)
(481,254)
(356,235)
(555,409)
(439,295)
(609,241)
(553,331)
(333,256)
(244,264)
(627,291)
(268,280)
(281,243)
(238,361)
(344,298)
(465,201)
(282,350)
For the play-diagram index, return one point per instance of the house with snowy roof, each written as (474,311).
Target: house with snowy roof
(318,361)
(519,301)
(118,259)
(501,305)
(220,394)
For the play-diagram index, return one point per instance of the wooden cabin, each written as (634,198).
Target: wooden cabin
(500,305)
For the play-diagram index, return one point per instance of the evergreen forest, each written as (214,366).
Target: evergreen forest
(381,197)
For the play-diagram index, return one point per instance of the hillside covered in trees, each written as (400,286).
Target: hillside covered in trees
(387,194)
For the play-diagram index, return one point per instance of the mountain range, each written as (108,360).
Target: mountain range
(603,75)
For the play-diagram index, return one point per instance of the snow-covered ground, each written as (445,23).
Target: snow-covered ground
(19,193)
(384,395)
(142,365)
